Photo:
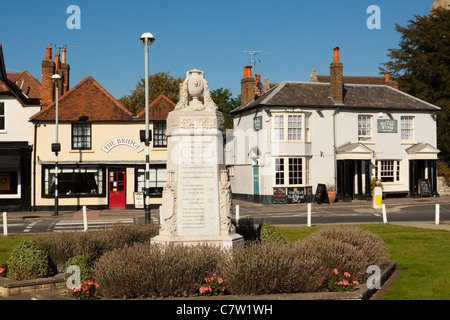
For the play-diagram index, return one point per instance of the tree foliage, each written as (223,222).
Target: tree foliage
(164,83)
(159,83)
(421,65)
(225,103)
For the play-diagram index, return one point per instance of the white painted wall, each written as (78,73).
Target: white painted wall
(386,146)
(17,126)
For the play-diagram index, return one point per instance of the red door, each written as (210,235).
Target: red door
(117,184)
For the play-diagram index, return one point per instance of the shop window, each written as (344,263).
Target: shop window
(296,169)
(157,181)
(279,171)
(2,116)
(8,183)
(74,182)
(387,170)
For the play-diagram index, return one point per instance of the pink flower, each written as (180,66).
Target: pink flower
(345,283)
(220,280)
(335,271)
(346,274)
(2,270)
(355,282)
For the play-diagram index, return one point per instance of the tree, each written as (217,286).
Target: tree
(422,66)
(225,103)
(159,83)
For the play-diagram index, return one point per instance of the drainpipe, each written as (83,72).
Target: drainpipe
(335,112)
(36,125)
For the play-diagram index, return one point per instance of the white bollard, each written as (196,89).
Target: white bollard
(308,219)
(237,214)
(5,224)
(85,219)
(437,213)
(383,209)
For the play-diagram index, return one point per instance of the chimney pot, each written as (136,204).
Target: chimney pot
(336,54)
(247,71)
(386,77)
(258,78)
(63,55)
(48,53)
(57,62)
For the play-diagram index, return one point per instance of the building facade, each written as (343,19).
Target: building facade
(102,159)
(19,100)
(297,135)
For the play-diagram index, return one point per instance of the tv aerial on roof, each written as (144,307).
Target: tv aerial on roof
(252,54)
(60,46)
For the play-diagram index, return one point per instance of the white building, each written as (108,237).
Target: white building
(296,135)
(19,100)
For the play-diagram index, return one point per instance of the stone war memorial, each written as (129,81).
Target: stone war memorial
(196,203)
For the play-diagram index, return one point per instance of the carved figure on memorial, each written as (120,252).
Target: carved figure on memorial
(225,203)
(168,211)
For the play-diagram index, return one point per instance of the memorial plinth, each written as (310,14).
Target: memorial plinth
(196,204)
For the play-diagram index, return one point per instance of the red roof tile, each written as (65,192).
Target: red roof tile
(88,101)
(159,109)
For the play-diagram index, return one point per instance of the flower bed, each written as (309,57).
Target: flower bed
(138,269)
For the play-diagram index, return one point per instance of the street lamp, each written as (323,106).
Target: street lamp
(56,147)
(147,39)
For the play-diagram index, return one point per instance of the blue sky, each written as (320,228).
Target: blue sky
(209,35)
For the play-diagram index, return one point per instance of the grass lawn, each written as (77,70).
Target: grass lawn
(424,254)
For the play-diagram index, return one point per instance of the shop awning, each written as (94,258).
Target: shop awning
(9,163)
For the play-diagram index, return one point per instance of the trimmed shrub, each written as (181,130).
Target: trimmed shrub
(63,246)
(263,268)
(148,270)
(246,228)
(85,265)
(270,233)
(29,261)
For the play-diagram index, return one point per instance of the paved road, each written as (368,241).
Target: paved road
(398,210)
(58,225)
(329,214)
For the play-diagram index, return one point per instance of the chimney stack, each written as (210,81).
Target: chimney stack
(389,82)
(247,86)
(48,69)
(65,70)
(336,78)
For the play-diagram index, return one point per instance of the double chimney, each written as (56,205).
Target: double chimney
(251,88)
(49,68)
